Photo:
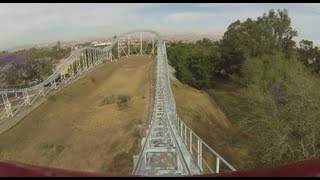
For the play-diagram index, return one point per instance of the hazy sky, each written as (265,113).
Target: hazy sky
(28,23)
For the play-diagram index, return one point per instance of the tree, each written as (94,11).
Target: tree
(282,118)
(194,63)
(282,32)
(87,44)
(43,68)
(15,69)
(39,64)
(204,42)
(309,55)
(3,52)
(253,38)
(58,45)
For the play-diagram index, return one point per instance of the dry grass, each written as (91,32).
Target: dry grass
(72,131)
(200,112)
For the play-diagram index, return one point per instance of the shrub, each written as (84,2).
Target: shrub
(52,98)
(46,145)
(284,108)
(59,148)
(123,101)
(92,79)
(108,100)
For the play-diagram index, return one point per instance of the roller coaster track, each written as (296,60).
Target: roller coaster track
(170,147)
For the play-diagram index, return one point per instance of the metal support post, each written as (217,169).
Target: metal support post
(128,45)
(152,51)
(79,69)
(41,91)
(86,59)
(110,56)
(140,44)
(26,97)
(7,105)
(119,56)
(72,73)
(92,58)
(53,84)
(64,79)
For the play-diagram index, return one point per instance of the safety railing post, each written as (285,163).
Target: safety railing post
(200,154)
(190,141)
(218,165)
(181,129)
(185,135)
(177,121)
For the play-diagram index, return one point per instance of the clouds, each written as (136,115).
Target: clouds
(24,23)
(223,5)
(49,15)
(186,16)
(208,16)
(304,16)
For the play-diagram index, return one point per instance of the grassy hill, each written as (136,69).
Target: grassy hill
(82,127)
(73,130)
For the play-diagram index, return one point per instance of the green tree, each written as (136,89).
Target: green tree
(58,45)
(194,63)
(252,38)
(282,118)
(87,44)
(43,67)
(3,52)
(42,59)
(309,55)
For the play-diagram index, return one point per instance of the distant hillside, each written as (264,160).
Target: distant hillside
(176,36)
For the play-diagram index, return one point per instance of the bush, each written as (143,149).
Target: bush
(92,79)
(123,101)
(194,64)
(46,145)
(284,110)
(59,148)
(52,98)
(108,100)
(136,132)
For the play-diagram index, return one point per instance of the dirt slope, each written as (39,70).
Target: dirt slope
(202,114)
(71,130)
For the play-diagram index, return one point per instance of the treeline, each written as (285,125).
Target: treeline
(196,63)
(279,79)
(269,34)
(53,53)
(31,65)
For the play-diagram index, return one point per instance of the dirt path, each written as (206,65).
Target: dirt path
(72,131)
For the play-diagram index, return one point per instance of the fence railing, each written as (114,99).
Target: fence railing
(208,160)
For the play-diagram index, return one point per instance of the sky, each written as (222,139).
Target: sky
(32,23)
